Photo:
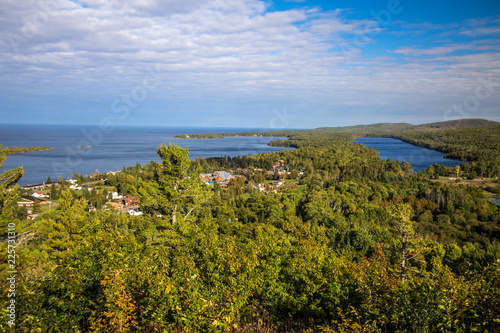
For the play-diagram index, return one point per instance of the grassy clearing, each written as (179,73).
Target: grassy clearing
(490,185)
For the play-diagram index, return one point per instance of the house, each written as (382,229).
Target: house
(259,186)
(36,186)
(33,199)
(134,212)
(39,195)
(27,204)
(116,196)
(93,175)
(222,176)
(207,178)
(206,175)
(277,183)
(129,200)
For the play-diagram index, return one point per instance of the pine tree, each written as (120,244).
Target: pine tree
(173,192)
(53,192)
(36,207)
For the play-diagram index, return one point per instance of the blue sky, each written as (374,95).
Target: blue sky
(267,64)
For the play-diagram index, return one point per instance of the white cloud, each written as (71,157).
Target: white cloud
(225,51)
(481,31)
(444,50)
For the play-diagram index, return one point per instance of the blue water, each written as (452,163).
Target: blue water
(420,158)
(111,149)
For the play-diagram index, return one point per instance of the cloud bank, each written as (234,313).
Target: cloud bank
(232,62)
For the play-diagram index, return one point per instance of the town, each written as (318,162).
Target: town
(104,191)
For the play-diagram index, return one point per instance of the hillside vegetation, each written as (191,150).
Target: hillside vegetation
(349,243)
(464,139)
(468,144)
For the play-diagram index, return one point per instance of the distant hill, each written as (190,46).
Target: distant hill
(455,124)
(382,128)
(463,139)
(396,128)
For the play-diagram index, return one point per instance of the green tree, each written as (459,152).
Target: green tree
(406,166)
(48,181)
(409,245)
(36,207)
(22,212)
(8,185)
(53,192)
(173,192)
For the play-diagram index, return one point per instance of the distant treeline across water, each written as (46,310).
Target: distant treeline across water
(83,149)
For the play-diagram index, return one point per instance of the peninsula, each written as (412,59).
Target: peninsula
(20,150)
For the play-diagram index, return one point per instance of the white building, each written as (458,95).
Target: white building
(134,213)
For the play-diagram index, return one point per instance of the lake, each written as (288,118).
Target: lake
(113,149)
(420,158)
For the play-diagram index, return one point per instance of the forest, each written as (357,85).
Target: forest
(348,243)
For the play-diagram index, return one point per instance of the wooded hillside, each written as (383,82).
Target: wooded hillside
(348,243)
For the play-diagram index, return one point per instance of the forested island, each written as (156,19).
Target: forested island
(324,238)
(20,150)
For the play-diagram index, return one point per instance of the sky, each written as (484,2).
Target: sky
(235,63)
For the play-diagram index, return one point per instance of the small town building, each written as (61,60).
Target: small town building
(134,212)
(129,200)
(27,204)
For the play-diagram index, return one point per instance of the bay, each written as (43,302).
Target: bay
(497,201)
(420,158)
(112,150)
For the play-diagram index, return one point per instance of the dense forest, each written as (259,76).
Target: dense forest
(348,243)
